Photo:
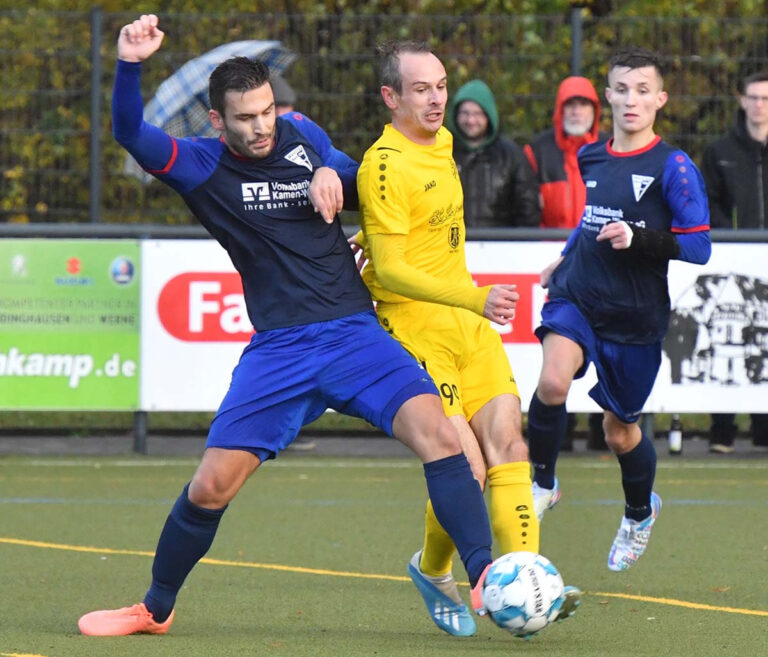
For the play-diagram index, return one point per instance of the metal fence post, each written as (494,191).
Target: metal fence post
(140,432)
(576,38)
(94,168)
(648,424)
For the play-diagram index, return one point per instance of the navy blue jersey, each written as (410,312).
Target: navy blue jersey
(296,269)
(623,293)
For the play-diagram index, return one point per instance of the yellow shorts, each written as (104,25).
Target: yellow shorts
(459,349)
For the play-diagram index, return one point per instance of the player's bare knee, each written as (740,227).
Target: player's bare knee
(209,491)
(621,441)
(552,389)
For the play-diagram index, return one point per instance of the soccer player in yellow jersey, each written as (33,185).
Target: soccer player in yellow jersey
(411,208)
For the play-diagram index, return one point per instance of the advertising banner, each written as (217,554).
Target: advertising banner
(715,357)
(194,326)
(69,324)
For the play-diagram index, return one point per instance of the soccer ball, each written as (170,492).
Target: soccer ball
(523,592)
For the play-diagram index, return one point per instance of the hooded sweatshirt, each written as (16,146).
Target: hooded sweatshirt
(498,183)
(552,154)
(735,170)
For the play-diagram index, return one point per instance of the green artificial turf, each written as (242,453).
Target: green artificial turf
(310,561)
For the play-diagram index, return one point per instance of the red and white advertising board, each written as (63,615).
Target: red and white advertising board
(194,326)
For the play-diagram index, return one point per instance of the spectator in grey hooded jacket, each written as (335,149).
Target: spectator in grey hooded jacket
(499,185)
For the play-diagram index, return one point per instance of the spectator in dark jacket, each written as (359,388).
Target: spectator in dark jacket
(499,188)
(735,170)
(735,166)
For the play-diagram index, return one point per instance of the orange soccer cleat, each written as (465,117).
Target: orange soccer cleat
(121,622)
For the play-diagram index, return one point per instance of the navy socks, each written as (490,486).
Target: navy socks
(547,426)
(638,471)
(188,533)
(460,508)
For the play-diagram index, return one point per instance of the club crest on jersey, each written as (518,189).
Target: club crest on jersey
(454,236)
(299,156)
(640,185)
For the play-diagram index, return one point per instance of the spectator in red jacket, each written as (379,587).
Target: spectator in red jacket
(552,155)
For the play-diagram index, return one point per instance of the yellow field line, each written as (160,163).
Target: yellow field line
(206,560)
(338,573)
(681,603)
(19,654)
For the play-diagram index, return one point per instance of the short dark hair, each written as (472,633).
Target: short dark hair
(389,54)
(635,57)
(761,76)
(235,74)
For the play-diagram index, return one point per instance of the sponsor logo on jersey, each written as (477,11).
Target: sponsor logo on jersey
(640,184)
(430,185)
(265,196)
(599,214)
(441,215)
(255,191)
(299,156)
(591,184)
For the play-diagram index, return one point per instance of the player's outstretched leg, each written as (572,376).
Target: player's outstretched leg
(632,538)
(186,537)
(457,500)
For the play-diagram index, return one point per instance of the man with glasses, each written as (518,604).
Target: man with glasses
(735,169)
(499,185)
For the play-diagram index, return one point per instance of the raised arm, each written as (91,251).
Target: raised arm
(151,147)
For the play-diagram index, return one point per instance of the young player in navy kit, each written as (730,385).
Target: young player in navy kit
(269,191)
(608,297)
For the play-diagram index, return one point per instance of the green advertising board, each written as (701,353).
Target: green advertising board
(69,324)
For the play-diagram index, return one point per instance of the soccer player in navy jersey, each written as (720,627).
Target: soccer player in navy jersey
(269,191)
(608,296)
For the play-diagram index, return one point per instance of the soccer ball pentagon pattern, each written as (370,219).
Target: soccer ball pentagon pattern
(523,592)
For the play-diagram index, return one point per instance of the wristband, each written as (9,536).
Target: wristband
(658,244)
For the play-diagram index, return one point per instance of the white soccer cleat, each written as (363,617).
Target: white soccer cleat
(632,539)
(545,498)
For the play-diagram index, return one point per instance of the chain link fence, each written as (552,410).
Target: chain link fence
(60,164)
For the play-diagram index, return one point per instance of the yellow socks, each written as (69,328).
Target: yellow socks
(437,557)
(513,519)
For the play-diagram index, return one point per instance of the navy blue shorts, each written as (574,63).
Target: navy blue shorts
(287,378)
(625,372)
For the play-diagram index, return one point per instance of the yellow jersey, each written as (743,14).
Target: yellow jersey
(414,190)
